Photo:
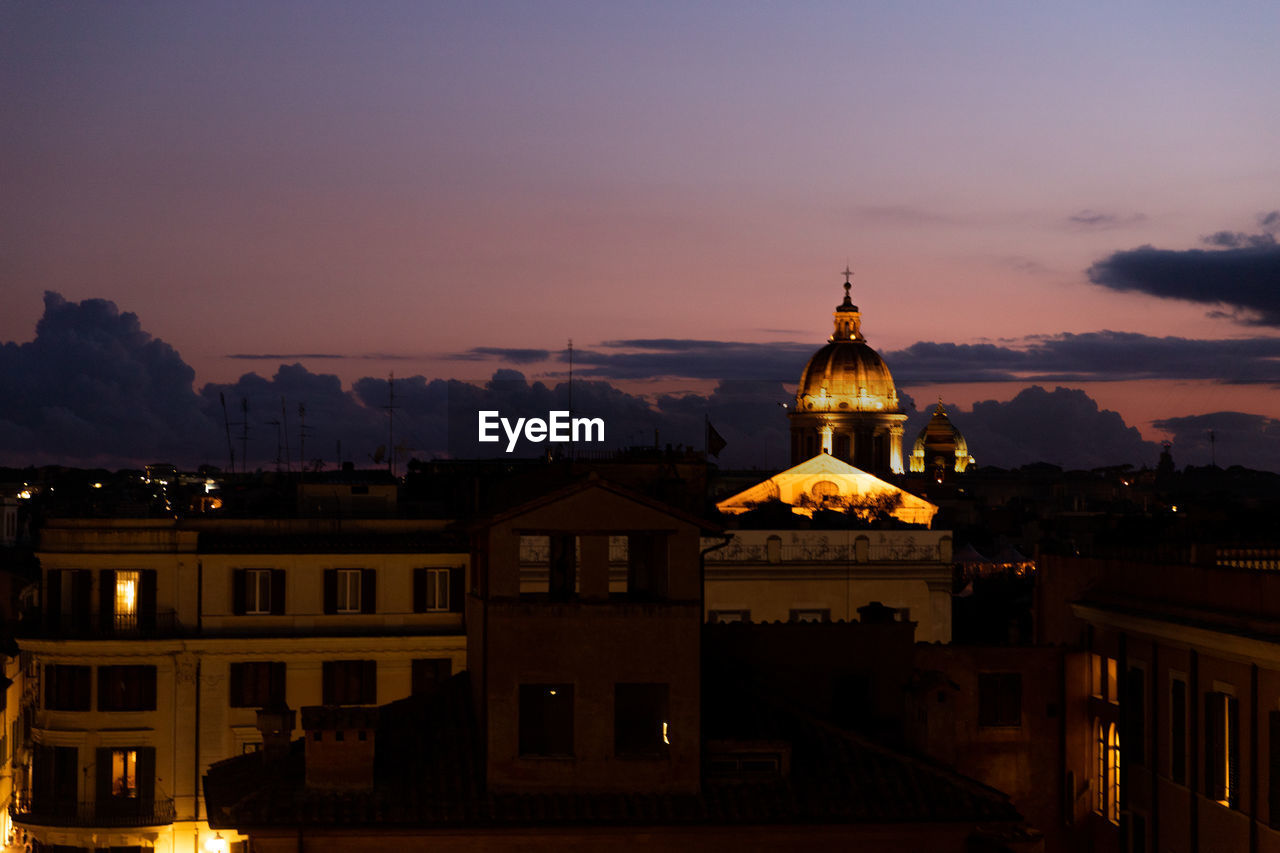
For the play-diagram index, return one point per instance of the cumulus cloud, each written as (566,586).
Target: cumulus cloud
(93,386)
(1063,426)
(1240,276)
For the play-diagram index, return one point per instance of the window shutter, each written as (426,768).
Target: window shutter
(106,687)
(330,592)
(1215,747)
(277,592)
(368,590)
(237,685)
(50,688)
(419,590)
(147,599)
(238,591)
(106,601)
(103,775)
(329,673)
(146,777)
(1233,751)
(148,690)
(1273,794)
(83,682)
(81,598)
(369,683)
(52,600)
(457,588)
(277,692)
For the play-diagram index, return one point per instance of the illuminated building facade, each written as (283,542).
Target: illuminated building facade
(160,639)
(846,404)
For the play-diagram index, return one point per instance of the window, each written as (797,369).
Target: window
(127,601)
(546,720)
(1095,675)
(66,688)
(438,590)
(1222,748)
(350,682)
(349,582)
(1107,799)
(257,684)
(124,773)
(647,565)
(1178,730)
(126,778)
(814,614)
(640,720)
(257,591)
(428,672)
(68,594)
(1113,692)
(999,699)
(126,688)
(350,590)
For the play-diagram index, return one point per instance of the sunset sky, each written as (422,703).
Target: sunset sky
(444,189)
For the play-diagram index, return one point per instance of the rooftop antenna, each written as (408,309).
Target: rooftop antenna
(275,422)
(391,417)
(244,434)
(284,431)
(226,422)
(302,437)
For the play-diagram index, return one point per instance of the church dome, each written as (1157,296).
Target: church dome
(846,375)
(940,445)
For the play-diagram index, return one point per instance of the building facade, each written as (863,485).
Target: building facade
(157,641)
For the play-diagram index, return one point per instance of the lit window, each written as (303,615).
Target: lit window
(127,597)
(1113,692)
(546,720)
(349,590)
(1095,675)
(1222,748)
(640,720)
(124,773)
(1107,801)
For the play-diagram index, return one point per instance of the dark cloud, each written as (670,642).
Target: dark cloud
(1096,219)
(310,356)
(1063,426)
(512,355)
(93,386)
(1240,276)
(1238,439)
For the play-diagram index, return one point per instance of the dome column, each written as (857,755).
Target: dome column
(895,448)
(825,433)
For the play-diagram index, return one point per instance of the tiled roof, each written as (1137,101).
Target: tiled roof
(427,774)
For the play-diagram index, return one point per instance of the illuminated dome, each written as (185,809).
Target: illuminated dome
(847,376)
(940,447)
(846,403)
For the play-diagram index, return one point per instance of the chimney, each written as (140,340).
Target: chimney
(339,751)
(276,726)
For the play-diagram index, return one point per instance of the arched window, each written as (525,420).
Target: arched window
(1107,790)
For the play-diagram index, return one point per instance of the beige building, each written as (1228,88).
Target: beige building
(160,639)
(826,575)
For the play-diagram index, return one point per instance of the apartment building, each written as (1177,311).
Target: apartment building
(158,640)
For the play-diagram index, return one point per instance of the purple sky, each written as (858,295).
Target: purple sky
(391,185)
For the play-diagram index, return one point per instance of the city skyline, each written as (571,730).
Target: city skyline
(1078,197)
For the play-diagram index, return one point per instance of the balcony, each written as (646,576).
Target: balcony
(127,813)
(94,626)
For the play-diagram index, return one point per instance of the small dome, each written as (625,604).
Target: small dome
(940,443)
(846,375)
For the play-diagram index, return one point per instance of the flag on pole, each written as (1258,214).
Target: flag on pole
(715,442)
